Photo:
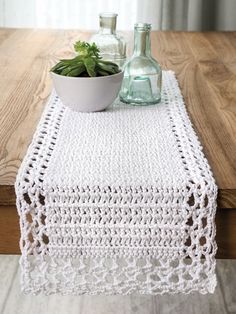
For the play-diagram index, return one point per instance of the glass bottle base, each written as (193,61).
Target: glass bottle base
(137,103)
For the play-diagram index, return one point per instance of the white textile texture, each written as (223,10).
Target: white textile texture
(117,202)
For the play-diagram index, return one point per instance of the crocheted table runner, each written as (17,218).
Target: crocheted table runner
(117,202)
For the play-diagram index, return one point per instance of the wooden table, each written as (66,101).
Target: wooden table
(205,65)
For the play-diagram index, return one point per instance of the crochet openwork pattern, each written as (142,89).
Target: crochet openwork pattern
(117,202)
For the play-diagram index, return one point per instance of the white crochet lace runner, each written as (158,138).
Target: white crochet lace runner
(117,202)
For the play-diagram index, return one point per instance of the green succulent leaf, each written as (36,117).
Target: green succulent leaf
(76,70)
(102,73)
(90,65)
(108,68)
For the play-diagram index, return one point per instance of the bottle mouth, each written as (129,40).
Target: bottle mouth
(143,26)
(108,14)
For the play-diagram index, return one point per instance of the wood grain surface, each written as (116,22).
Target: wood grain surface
(205,65)
(9,230)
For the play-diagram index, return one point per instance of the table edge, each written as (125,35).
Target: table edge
(226,197)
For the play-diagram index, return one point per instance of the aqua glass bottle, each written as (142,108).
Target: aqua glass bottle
(112,46)
(142,73)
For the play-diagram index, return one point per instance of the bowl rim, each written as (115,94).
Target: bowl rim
(87,78)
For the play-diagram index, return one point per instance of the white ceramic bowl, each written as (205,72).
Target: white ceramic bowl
(87,94)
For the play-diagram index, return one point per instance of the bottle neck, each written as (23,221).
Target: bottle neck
(108,24)
(142,43)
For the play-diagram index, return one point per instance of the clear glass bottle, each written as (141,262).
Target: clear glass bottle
(112,47)
(143,75)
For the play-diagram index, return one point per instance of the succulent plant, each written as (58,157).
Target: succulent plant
(87,63)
